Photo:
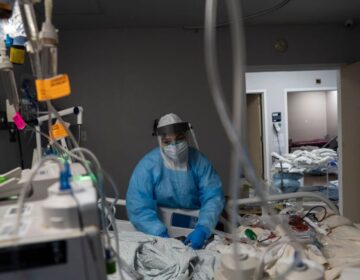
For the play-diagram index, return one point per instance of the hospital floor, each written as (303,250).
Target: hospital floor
(311,180)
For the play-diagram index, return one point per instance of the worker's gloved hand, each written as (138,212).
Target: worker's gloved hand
(164,234)
(197,237)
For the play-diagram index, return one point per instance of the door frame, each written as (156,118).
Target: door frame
(265,138)
(286,127)
(286,117)
(313,67)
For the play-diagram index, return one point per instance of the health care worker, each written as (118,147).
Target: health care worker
(175,175)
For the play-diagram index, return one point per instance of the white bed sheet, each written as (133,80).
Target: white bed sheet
(165,258)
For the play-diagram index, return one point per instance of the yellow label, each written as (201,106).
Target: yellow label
(58,131)
(17,55)
(53,88)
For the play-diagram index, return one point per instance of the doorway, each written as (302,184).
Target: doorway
(313,124)
(255,133)
(312,119)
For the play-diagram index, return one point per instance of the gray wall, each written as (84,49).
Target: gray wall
(9,153)
(125,78)
(307,115)
(307,45)
(312,115)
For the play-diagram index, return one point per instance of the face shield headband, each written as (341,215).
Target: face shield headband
(175,128)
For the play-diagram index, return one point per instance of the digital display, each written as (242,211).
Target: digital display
(32,256)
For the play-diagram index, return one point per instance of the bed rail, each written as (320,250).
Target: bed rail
(298,196)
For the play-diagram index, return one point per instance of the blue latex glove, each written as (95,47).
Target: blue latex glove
(164,234)
(197,237)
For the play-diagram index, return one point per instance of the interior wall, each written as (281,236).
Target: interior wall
(276,86)
(125,78)
(332,113)
(307,115)
(9,153)
(307,45)
(125,85)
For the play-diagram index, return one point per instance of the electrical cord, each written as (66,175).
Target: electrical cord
(114,187)
(56,145)
(281,164)
(218,97)
(97,182)
(82,159)
(25,189)
(121,264)
(318,206)
(74,156)
(216,90)
(27,11)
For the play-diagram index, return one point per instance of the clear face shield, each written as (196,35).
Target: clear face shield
(174,141)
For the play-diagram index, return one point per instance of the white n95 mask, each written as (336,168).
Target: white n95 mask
(177,152)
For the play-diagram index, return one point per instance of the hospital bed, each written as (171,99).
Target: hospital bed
(313,173)
(302,200)
(166,214)
(297,200)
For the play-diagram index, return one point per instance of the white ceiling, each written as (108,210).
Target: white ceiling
(71,14)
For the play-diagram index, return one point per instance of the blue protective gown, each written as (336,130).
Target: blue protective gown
(152,184)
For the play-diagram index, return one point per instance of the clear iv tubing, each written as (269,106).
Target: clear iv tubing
(259,269)
(71,153)
(8,78)
(74,156)
(25,189)
(217,94)
(100,176)
(100,189)
(33,34)
(49,59)
(99,183)
(48,10)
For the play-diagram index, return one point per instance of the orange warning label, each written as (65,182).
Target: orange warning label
(58,131)
(53,88)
